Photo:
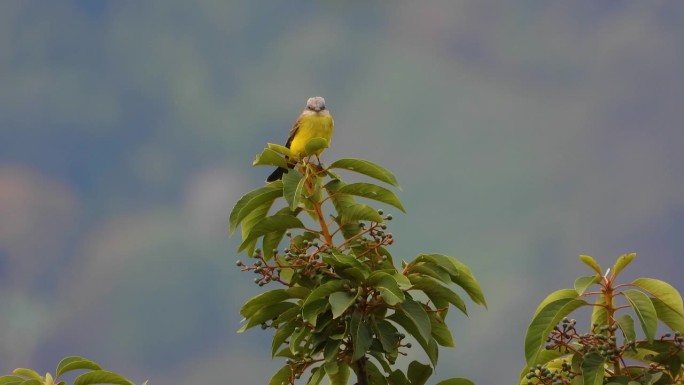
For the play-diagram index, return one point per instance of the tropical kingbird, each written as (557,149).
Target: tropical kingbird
(314,122)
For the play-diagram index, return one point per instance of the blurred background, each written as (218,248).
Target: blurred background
(523,134)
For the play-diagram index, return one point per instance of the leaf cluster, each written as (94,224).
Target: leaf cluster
(343,306)
(94,374)
(611,351)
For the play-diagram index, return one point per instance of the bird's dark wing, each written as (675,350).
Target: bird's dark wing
(293,132)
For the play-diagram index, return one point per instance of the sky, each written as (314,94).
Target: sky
(523,135)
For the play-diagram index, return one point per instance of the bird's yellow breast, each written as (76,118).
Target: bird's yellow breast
(312,126)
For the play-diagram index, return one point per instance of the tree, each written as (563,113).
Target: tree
(342,304)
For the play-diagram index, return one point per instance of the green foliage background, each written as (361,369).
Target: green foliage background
(523,134)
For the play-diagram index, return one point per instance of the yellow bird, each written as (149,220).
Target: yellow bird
(314,122)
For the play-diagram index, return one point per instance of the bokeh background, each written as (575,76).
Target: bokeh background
(523,134)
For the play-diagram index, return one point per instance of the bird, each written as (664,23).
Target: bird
(314,122)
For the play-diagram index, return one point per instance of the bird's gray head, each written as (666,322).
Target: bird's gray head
(317,103)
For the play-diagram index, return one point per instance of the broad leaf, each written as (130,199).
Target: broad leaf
(282,376)
(671,318)
(341,377)
(101,377)
(359,212)
(599,314)
(592,369)
(340,301)
(283,333)
(663,291)
(388,288)
(591,262)
(252,200)
(280,149)
(68,364)
(440,295)
(269,157)
(371,191)
(32,381)
(27,373)
(252,219)
(555,296)
(271,224)
(622,262)
(463,277)
(387,334)
(582,283)
(361,334)
(266,313)
(11,380)
(367,168)
(314,145)
(645,311)
(456,381)
(429,346)
(543,323)
(418,373)
(317,375)
(271,297)
(317,301)
(293,189)
(416,314)
(374,375)
(440,331)
(626,324)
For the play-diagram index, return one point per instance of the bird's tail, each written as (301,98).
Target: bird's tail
(276,175)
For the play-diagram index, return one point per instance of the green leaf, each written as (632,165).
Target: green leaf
(68,364)
(359,212)
(582,283)
(280,149)
(418,373)
(592,369)
(591,262)
(317,301)
(669,317)
(101,377)
(397,378)
(296,340)
(441,296)
(622,262)
(416,314)
(282,376)
(253,200)
(271,297)
(340,301)
(11,380)
(32,381)
(266,313)
(341,377)
(456,381)
(626,324)
(431,270)
(599,314)
(293,189)
(252,219)
(440,332)
(645,311)
(271,224)
(463,277)
(555,296)
(27,373)
(332,348)
(663,291)
(269,157)
(361,334)
(544,321)
(386,333)
(388,288)
(314,145)
(371,191)
(374,375)
(283,333)
(367,168)
(317,375)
